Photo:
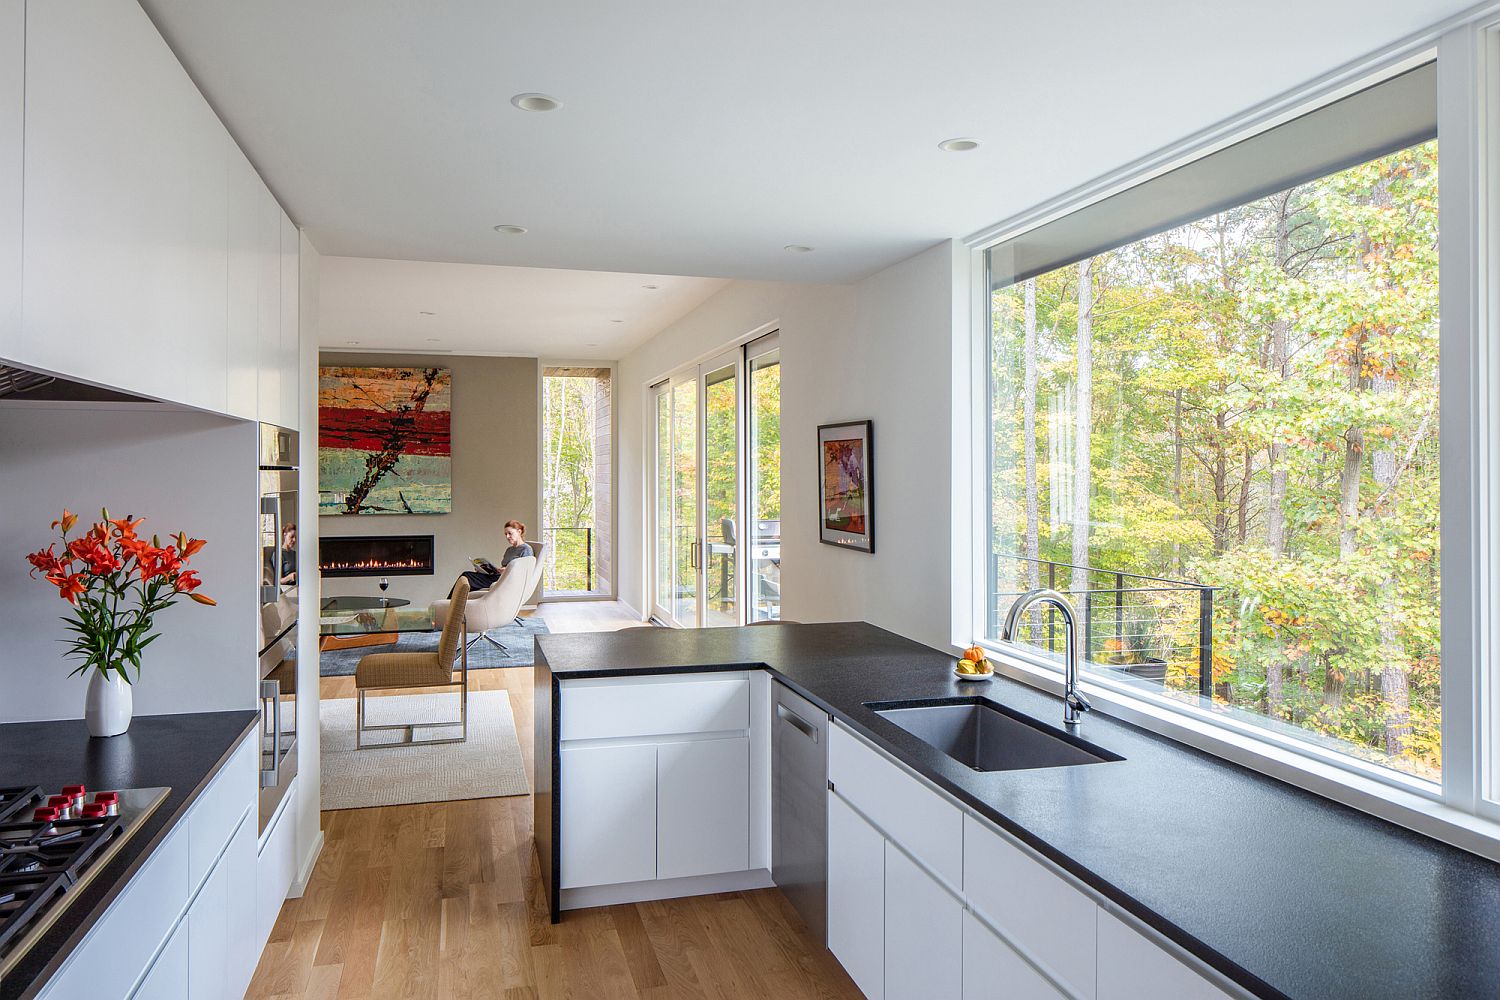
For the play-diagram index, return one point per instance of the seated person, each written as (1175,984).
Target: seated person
(515,538)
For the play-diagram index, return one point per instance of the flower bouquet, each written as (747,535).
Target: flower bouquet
(116,582)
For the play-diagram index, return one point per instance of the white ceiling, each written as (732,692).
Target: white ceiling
(700,138)
(558,315)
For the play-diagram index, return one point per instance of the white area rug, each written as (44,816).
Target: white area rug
(488,764)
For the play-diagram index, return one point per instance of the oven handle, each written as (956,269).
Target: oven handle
(270,691)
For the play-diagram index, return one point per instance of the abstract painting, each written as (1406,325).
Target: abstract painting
(846,490)
(384,443)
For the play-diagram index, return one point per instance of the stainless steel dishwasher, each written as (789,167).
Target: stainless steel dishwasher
(799,806)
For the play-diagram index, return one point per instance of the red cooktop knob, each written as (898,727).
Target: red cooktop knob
(95,810)
(74,790)
(107,798)
(60,801)
(46,814)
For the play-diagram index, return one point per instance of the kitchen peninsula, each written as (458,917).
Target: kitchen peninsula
(1136,842)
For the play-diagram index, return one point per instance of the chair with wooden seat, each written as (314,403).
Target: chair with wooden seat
(377,671)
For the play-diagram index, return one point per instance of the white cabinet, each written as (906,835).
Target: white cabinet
(923,933)
(610,708)
(208,926)
(247,196)
(1044,916)
(992,971)
(913,814)
(856,897)
(12,118)
(1133,968)
(608,815)
(702,807)
(275,866)
(169,977)
(125,214)
(268,312)
(289,323)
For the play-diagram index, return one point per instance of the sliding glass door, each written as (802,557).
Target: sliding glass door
(697,482)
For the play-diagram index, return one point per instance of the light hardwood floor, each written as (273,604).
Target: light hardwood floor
(443,900)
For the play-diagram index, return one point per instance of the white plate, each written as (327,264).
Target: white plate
(973,677)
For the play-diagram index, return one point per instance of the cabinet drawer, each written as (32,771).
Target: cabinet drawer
(915,816)
(218,811)
(1133,968)
(605,708)
(1036,910)
(126,938)
(992,971)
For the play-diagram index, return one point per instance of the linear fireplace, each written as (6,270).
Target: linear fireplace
(375,555)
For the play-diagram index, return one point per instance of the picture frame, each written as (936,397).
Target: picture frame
(846,485)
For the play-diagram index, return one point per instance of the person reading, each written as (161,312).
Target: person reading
(485,574)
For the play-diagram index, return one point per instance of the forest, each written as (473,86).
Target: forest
(567,480)
(1247,403)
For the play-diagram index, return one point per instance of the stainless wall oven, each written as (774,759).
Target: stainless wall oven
(278,616)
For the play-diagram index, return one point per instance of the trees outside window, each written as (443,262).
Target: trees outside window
(1247,403)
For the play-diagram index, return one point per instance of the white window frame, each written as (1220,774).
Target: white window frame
(1464,809)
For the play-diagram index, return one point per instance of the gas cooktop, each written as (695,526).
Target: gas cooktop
(50,846)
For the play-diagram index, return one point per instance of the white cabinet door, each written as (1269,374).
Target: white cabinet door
(246,195)
(268,314)
(168,976)
(1133,968)
(287,356)
(702,807)
(208,937)
(856,897)
(244,946)
(608,815)
(992,971)
(1033,906)
(12,117)
(923,933)
(275,868)
(125,208)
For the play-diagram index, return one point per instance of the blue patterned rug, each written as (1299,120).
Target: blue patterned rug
(518,640)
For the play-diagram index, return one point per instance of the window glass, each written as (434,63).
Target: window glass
(1222,442)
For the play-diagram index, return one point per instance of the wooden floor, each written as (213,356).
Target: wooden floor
(444,900)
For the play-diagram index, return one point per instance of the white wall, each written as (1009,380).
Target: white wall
(882,349)
(182,471)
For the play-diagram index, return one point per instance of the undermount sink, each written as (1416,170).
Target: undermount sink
(985,736)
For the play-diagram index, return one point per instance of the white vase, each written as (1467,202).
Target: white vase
(108,705)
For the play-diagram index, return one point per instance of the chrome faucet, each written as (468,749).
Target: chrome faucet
(1074,703)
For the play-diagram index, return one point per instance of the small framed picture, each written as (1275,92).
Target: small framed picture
(846,485)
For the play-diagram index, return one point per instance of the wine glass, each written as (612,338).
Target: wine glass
(384,583)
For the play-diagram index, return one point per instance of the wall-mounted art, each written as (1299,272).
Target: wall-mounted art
(384,443)
(846,485)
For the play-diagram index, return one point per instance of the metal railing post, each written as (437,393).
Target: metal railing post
(1206,643)
(1119,612)
(1051,611)
(588,541)
(992,610)
(1088,622)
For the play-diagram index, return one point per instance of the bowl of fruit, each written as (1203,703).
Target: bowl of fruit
(974,666)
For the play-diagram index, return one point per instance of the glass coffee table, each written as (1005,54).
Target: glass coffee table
(350,622)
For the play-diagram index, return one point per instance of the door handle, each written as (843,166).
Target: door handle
(270,691)
(797,722)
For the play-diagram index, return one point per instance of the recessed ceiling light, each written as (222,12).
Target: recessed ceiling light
(433,340)
(510,230)
(536,102)
(617,321)
(425,312)
(960,145)
(352,343)
(651,288)
(590,345)
(797,248)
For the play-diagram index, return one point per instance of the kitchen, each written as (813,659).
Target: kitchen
(810,807)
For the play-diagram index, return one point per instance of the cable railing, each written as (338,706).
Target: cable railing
(570,559)
(1153,629)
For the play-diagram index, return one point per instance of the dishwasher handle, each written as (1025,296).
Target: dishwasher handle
(797,722)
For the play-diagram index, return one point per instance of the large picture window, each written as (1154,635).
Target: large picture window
(1221,440)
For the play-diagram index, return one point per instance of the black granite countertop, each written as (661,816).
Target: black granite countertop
(182,752)
(1286,893)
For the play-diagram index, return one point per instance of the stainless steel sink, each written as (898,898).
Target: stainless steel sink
(989,737)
